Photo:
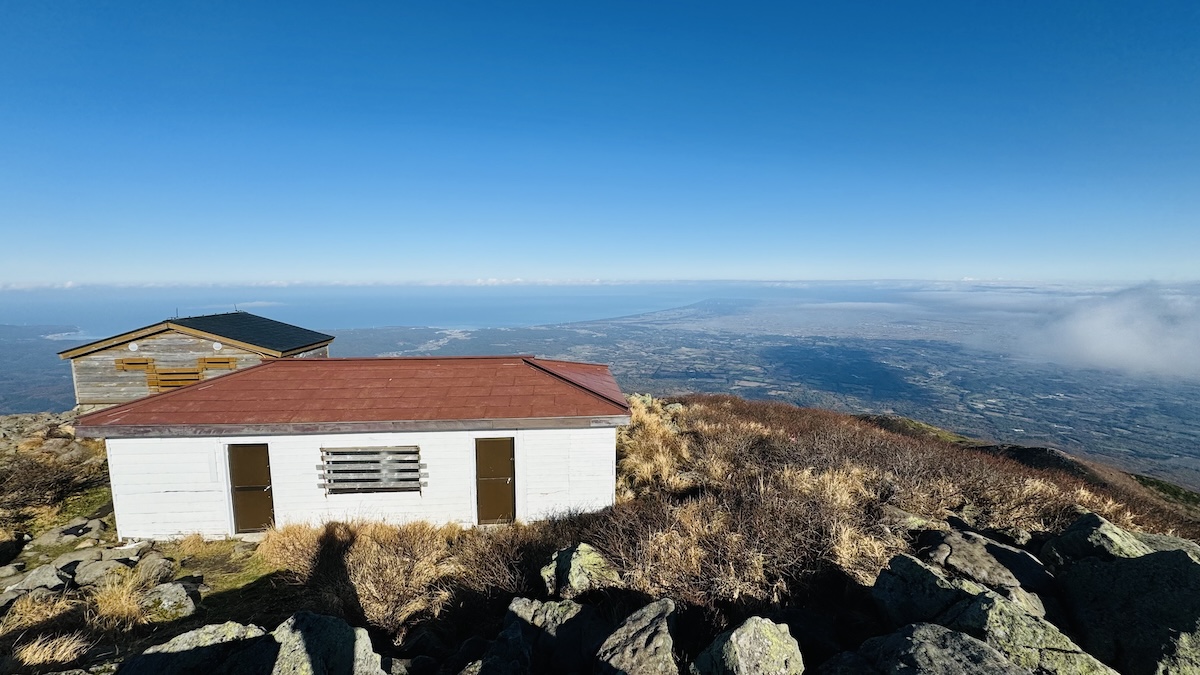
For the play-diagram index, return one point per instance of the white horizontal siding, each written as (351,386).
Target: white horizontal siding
(171,487)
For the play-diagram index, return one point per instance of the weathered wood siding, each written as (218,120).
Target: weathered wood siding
(557,470)
(97,380)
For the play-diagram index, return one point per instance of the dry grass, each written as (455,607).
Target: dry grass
(29,611)
(723,504)
(115,604)
(51,650)
(391,576)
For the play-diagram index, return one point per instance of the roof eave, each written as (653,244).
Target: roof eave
(312,428)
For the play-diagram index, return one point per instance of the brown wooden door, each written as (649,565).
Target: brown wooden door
(495,480)
(250,477)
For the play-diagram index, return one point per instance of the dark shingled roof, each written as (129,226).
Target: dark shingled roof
(254,330)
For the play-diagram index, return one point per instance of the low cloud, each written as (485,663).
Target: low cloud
(1146,330)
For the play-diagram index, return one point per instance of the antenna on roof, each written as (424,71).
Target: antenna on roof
(235,307)
(176,313)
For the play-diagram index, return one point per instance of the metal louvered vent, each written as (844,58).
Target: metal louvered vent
(378,469)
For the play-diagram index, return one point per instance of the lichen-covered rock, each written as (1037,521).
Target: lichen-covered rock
(929,649)
(909,591)
(1027,641)
(199,652)
(1139,615)
(1091,536)
(758,646)
(314,644)
(168,602)
(564,635)
(578,569)
(643,644)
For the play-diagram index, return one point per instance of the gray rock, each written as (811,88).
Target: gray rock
(12,569)
(509,654)
(929,649)
(564,635)
(578,569)
(198,652)
(68,562)
(316,644)
(1139,615)
(52,537)
(45,576)
(909,591)
(643,644)
(155,568)
(757,646)
(168,602)
(1162,542)
(7,598)
(1027,641)
(989,562)
(130,551)
(93,573)
(1091,536)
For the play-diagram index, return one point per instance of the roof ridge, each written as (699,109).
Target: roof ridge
(532,361)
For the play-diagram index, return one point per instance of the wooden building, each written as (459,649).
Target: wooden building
(177,352)
(469,440)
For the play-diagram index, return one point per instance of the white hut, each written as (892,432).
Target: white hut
(470,440)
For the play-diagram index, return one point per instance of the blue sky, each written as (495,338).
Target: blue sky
(455,141)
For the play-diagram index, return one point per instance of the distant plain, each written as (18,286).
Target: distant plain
(1104,371)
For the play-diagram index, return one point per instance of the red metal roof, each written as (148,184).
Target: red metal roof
(303,391)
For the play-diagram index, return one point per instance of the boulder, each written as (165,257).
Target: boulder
(68,562)
(93,573)
(929,649)
(199,652)
(510,654)
(564,635)
(1139,615)
(1091,536)
(1027,641)
(11,569)
(757,646)
(7,598)
(154,567)
(316,643)
(131,551)
(909,591)
(643,644)
(578,569)
(308,644)
(45,576)
(1162,542)
(989,562)
(168,602)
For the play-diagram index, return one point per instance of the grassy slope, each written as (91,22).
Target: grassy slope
(729,506)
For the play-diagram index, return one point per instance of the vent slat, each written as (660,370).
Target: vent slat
(370,469)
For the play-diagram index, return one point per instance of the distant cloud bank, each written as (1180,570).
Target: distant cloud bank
(1145,330)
